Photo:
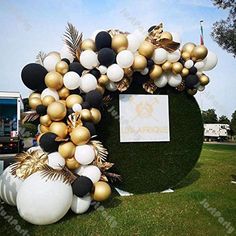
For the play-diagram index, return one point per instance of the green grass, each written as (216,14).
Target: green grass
(178,213)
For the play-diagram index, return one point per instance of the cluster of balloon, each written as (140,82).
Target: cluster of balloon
(69,170)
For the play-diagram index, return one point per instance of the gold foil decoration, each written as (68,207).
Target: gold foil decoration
(149,86)
(124,84)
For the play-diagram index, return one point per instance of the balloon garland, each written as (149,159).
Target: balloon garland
(69,168)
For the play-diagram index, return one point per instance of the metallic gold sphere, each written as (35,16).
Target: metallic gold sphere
(199,53)
(72,164)
(63,92)
(204,80)
(184,72)
(62,102)
(67,149)
(80,135)
(59,128)
(177,68)
(155,72)
(56,111)
(166,66)
(100,89)
(146,49)
(45,120)
(103,80)
(35,95)
(47,100)
(88,44)
(86,115)
(34,102)
(96,115)
(73,99)
(186,55)
(54,80)
(62,67)
(192,91)
(102,191)
(43,129)
(188,47)
(166,35)
(128,72)
(119,42)
(140,63)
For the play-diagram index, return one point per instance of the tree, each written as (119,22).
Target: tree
(224,120)
(233,123)
(209,116)
(224,31)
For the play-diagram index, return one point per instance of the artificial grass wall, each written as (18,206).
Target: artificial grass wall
(151,167)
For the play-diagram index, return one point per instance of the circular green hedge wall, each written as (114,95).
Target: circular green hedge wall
(152,167)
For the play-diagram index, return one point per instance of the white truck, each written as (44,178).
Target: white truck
(216,132)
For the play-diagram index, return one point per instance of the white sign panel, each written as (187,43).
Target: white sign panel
(144,118)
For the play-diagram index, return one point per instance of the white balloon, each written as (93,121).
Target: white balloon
(174,80)
(125,59)
(80,205)
(9,186)
(71,80)
(50,92)
(88,82)
(210,61)
(84,154)
(160,56)
(102,69)
(56,161)
(145,71)
(51,60)
(176,37)
(111,86)
(65,53)
(80,170)
(76,107)
(89,59)
(161,81)
(42,201)
(188,64)
(199,65)
(174,56)
(92,172)
(115,73)
(134,41)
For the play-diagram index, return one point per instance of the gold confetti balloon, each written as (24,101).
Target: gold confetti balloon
(67,149)
(45,120)
(186,56)
(47,100)
(80,135)
(62,67)
(184,72)
(188,47)
(100,89)
(86,115)
(88,44)
(199,53)
(72,164)
(140,63)
(56,111)
(95,115)
(103,80)
(102,191)
(166,35)
(204,80)
(155,72)
(166,66)
(54,80)
(63,92)
(34,102)
(59,128)
(73,99)
(119,42)
(35,95)
(146,49)
(177,68)
(43,129)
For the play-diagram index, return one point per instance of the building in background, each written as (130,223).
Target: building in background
(216,132)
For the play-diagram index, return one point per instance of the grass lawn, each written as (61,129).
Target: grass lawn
(178,213)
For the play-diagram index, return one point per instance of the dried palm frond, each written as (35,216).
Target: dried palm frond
(114,32)
(40,57)
(29,116)
(103,166)
(168,45)
(124,84)
(155,34)
(73,39)
(74,120)
(149,86)
(112,176)
(181,87)
(100,151)
(106,100)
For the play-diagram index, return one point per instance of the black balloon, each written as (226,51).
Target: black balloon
(106,56)
(191,81)
(94,98)
(48,142)
(76,67)
(95,72)
(41,110)
(33,76)
(66,60)
(150,63)
(103,40)
(193,70)
(182,61)
(82,186)
(91,127)
(86,105)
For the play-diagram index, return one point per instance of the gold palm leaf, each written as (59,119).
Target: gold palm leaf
(74,120)
(100,151)
(124,84)
(149,86)
(155,34)
(40,57)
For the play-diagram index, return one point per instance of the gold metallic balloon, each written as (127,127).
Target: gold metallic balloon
(188,47)
(73,99)
(43,129)
(56,111)
(186,55)
(166,66)
(34,102)
(80,135)
(62,67)
(96,115)
(184,72)
(86,114)
(45,120)
(192,91)
(35,95)
(119,42)
(72,164)
(155,72)
(67,149)
(88,44)
(177,68)
(166,35)
(63,102)
(128,72)
(204,80)
(140,63)
(103,80)
(63,92)
(54,80)
(47,100)
(102,191)
(59,128)
(199,53)
(146,49)
(100,89)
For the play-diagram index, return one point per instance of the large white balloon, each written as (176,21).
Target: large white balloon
(71,80)
(160,55)
(81,204)
(65,53)
(161,81)
(92,172)
(80,170)
(56,161)
(111,86)
(88,82)
(89,59)
(115,73)
(50,92)
(9,186)
(51,60)
(134,41)
(125,59)
(174,80)
(199,65)
(210,61)
(84,154)
(174,56)
(43,201)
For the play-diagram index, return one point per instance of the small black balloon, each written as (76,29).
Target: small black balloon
(82,186)
(41,110)
(150,63)
(66,60)
(86,105)
(76,67)
(193,70)
(182,61)
(139,78)
(103,40)
(106,56)
(33,76)
(75,91)
(191,81)
(94,98)
(151,28)
(91,127)
(48,142)
(69,111)
(95,72)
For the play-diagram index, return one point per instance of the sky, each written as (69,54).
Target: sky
(28,27)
